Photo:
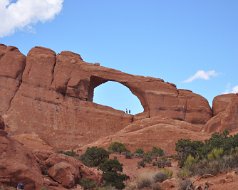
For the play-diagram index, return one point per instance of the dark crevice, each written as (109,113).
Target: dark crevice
(19,78)
(53,72)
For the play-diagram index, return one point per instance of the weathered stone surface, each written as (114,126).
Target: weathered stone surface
(225,109)
(151,132)
(81,171)
(55,98)
(64,173)
(2,124)
(17,164)
(12,64)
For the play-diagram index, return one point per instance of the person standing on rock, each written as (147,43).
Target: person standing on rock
(20,186)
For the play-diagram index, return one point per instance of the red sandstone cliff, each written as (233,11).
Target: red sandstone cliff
(51,95)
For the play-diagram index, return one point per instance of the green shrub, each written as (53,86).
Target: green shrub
(160,177)
(112,173)
(70,153)
(186,147)
(87,183)
(147,157)
(144,183)
(167,172)
(117,147)
(139,152)
(189,161)
(156,151)
(162,162)
(128,155)
(94,156)
(216,153)
(184,173)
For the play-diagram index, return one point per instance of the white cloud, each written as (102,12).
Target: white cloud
(23,13)
(201,74)
(235,89)
(230,89)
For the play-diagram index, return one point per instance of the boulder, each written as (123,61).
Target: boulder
(225,110)
(18,164)
(64,173)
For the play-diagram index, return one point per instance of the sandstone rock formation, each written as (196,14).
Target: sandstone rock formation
(18,164)
(151,132)
(39,169)
(225,110)
(52,96)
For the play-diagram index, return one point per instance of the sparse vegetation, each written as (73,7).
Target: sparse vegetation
(144,182)
(217,154)
(160,177)
(117,147)
(162,162)
(112,173)
(139,152)
(94,156)
(156,151)
(185,184)
(70,153)
(87,183)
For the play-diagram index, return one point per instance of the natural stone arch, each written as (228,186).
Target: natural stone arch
(96,81)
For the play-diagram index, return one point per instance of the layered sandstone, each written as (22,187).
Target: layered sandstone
(225,110)
(52,96)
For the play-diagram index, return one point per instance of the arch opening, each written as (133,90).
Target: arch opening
(117,96)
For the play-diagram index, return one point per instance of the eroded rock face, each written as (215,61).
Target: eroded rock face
(225,109)
(18,165)
(51,95)
(2,124)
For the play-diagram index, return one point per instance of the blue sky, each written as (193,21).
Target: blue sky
(193,44)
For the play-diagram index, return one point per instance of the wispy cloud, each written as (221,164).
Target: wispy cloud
(230,89)
(21,14)
(201,74)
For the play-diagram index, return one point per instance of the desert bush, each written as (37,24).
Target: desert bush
(186,147)
(87,183)
(189,161)
(217,146)
(185,184)
(144,183)
(156,151)
(162,162)
(167,172)
(147,157)
(160,177)
(141,164)
(112,173)
(117,147)
(184,173)
(139,151)
(216,153)
(128,155)
(70,153)
(94,156)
